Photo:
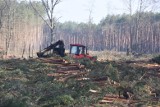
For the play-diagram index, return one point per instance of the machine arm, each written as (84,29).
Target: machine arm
(57,47)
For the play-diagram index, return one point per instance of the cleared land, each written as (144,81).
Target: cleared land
(67,82)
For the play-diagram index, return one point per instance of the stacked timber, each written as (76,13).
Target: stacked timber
(110,99)
(52,60)
(64,71)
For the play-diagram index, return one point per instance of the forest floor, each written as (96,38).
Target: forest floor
(48,82)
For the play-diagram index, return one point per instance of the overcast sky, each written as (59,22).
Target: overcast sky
(77,10)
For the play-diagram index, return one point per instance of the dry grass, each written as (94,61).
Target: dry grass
(115,56)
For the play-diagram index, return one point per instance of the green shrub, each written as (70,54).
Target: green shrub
(156,59)
(13,102)
(98,69)
(65,100)
(61,100)
(84,61)
(113,73)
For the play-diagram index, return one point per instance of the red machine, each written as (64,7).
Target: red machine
(80,51)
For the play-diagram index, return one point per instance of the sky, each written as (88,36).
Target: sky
(78,10)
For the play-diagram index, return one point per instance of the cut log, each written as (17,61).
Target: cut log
(74,76)
(67,72)
(68,68)
(151,74)
(54,61)
(105,101)
(101,79)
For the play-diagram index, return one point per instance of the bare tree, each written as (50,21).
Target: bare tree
(90,38)
(129,4)
(2,7)
(9,22)
(49,7)
(143,6)
(135,25)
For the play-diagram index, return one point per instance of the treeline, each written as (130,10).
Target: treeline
(72,32)
(139,32)
(20,27)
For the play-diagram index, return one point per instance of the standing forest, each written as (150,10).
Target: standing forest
(22,31)
(20,27)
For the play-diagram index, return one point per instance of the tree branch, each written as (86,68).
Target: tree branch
(46,6)
(40,14)
(1,13)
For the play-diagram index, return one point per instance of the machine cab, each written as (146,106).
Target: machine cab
(78,49)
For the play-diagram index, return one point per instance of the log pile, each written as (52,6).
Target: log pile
(112,99)
(65,71)
(51,60)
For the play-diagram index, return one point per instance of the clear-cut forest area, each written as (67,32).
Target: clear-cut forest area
(48,63)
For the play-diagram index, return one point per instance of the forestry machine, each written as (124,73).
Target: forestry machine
(57,47)
(77,51)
